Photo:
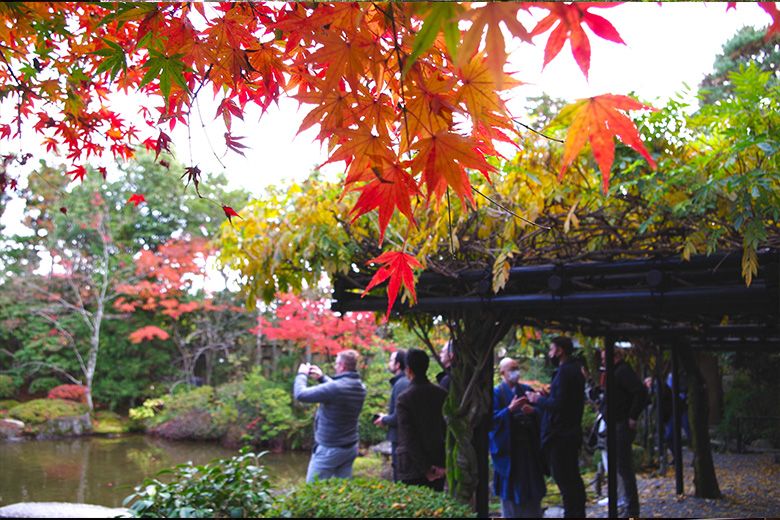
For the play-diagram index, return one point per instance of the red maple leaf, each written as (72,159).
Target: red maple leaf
(193,175)
(103,171)
(163,143)
(569,18)
(234,143)
(79,172)
(443,159)
(392,188)
(599,119)
(136,198)
(230,213)
(398,268)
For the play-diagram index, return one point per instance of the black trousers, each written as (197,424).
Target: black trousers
(625,469)
(563,457)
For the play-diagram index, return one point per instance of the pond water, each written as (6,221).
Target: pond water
(103,471)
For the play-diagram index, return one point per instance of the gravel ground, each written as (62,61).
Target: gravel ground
(750,484)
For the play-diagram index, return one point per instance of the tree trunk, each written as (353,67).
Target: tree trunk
(469,404)
(704,479)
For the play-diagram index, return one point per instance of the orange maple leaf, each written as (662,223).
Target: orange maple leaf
(392,188)
(599,119)
(443,159)
(569,18)
(148,333)
(486,19)
(478,91)
(361,149)
(398,268)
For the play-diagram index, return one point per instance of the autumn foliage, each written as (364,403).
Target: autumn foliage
(406,95)
(310,324)
(76,393)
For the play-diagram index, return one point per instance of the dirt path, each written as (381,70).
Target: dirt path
(750,484)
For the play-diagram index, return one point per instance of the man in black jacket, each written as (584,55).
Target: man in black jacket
(399,383)
(562,425)
(421,426)
(629,399)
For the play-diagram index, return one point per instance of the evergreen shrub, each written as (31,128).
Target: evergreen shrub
(225,488)
(367,498)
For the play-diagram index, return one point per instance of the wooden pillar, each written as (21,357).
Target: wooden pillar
(482,446)
(609,348)
(677,437)
(659,396)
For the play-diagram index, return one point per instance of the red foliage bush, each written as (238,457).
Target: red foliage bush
(76,393)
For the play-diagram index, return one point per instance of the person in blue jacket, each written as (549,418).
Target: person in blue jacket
(515,447)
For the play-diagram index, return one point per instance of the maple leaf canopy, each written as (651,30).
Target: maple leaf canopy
(393,87)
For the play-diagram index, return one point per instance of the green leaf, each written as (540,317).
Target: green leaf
(440,17)
(115,59)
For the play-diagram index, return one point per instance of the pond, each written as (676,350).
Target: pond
(103,471)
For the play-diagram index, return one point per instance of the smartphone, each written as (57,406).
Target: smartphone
(374,417)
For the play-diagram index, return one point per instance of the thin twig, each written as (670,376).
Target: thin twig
(537,131)
(508,210)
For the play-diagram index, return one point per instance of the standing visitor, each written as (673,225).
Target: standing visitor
(445,356)
(514,445)
(629,399)
(421,426)
(336,422)
(562,425)
(399,383)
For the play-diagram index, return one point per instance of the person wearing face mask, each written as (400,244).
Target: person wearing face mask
(562,424)
(514,446)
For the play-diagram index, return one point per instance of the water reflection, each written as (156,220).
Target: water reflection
(98,470)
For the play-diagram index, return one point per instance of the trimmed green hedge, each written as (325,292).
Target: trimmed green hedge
(39,411)
(367,498)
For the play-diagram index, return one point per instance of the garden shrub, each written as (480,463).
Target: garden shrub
(225,488)
(376,378)
(367,498)
(76,393)
(7,404)
(39,411)
(7,387)
(42,385)
(192,424)
(272,420)
(108,422)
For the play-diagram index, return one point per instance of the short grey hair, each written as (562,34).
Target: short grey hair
(349,358)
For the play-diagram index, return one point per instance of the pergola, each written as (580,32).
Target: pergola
(703,303)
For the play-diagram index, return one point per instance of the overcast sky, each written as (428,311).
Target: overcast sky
(666,47)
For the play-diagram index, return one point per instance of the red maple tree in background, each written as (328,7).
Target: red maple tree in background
(309,325)
(171,288)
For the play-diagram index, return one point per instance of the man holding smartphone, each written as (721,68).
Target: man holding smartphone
(336,422)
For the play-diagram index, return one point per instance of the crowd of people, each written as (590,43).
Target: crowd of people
(534,433)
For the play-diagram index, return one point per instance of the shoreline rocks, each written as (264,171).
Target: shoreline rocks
(61,510)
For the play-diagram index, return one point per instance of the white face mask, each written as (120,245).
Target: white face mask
(513,376)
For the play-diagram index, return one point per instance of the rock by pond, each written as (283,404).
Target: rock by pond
(65,427)
(61,510)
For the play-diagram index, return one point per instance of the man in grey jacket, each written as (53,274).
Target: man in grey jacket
(336,422)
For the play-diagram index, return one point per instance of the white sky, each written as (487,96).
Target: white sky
(667,46)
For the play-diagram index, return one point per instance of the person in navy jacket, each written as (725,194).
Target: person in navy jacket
(562,424)
(515,447)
